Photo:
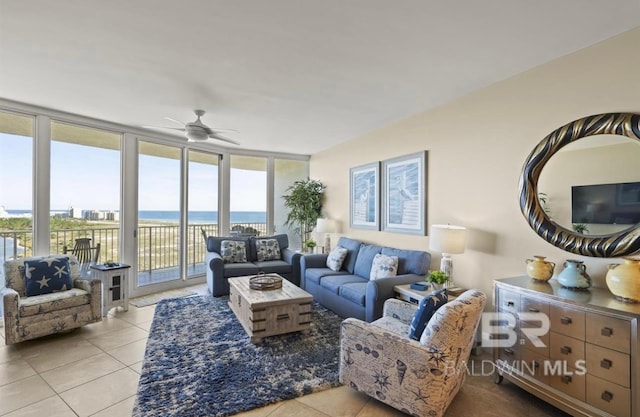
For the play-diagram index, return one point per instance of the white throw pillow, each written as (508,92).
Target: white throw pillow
(384,267)
(336,258)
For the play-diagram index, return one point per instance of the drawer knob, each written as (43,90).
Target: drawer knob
(534,310)
(606,331)
(566,379)
(565,350)
(565,320)
(606,396)
(284,316)
(510,304)
(606,363)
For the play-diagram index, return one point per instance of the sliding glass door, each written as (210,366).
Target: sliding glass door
(159,178)
(202,205)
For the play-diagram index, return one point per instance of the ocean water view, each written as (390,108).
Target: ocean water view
(174,215)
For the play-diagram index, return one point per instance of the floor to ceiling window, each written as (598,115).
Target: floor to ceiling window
(85,190)
(159,179)
(248,195)
(16,187)
(202,207)
(287,171)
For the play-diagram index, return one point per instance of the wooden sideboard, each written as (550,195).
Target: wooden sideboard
(587,363)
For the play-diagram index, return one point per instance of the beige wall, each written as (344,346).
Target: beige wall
(477,146)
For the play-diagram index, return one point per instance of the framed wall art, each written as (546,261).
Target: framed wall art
(404,194)
(364,196)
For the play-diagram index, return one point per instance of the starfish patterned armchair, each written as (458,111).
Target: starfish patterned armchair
(46,295)
(418,377)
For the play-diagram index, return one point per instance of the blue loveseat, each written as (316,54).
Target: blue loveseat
(218,272)
(349,292)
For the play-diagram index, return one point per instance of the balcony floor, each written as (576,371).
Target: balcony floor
(158,276)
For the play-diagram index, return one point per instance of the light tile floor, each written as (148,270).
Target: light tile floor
(94,371)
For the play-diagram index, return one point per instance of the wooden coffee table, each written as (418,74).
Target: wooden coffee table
(271,312)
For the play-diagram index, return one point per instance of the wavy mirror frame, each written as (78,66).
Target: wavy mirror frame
(624,243)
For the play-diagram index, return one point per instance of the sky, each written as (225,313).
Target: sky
(88,178)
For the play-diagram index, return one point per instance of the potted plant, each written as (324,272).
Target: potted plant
(310,244)
(437,279)
(304,200)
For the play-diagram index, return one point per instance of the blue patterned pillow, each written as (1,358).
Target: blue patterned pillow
(268,250)
(336,258)
(47,275)
(233,251)
(428,305)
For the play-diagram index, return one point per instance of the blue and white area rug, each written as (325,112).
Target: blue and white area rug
(200,362)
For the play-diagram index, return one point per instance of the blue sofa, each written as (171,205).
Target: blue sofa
(349,292)
(218,272)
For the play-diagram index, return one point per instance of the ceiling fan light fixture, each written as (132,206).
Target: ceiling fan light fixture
(196,134)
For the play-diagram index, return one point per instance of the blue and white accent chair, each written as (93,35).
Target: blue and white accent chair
(31,311)
(419,378)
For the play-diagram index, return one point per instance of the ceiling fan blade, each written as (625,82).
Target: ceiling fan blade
(165,127)
(222,138)
(216,130)
(176,121)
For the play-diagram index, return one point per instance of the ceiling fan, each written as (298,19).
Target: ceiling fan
(197,131)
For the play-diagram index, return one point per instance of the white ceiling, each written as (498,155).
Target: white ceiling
(290,75)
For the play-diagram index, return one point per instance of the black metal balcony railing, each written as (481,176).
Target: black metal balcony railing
(158,246)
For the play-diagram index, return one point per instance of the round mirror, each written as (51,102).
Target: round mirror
(586,199)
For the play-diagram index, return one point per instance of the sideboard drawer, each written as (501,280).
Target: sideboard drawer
(571,384)
(609,364)
(534,305)
(609,332)
(566,348)
(508,301)
(567,321)
(608,396)
(528,344)
(535,366)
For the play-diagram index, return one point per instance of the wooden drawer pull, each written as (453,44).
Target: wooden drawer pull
(284,316)
(566,379)
(606,396)
(566,320)
(565,350)
(534,310)
(606,363)
(606,331)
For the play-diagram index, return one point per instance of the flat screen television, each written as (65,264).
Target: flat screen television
(606,203)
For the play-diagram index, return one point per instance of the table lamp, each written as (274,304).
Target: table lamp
(449,240)
(327,226)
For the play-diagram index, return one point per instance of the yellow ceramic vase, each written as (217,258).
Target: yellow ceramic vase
(539,269)
(623,280)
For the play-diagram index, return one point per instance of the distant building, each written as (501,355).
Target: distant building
(75,213)
(102,215)
(113,216)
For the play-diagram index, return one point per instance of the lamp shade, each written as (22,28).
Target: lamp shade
(326,226)
(447,238)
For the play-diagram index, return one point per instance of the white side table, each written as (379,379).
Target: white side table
(406,293)
(115,286)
